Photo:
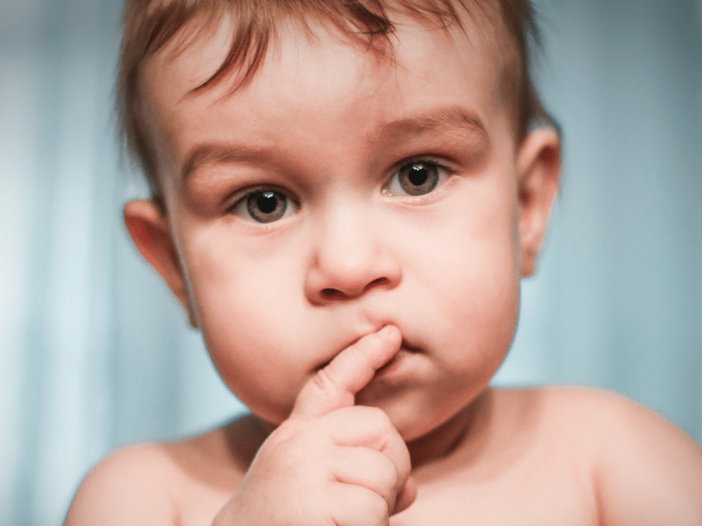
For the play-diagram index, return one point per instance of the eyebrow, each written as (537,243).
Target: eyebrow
(442,119)
(215,153)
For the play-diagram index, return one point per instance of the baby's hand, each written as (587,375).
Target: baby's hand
(331,463)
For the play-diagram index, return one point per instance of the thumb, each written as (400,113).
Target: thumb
(335,386)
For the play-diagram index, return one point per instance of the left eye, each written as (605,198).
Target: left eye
(415,179)
(263,206)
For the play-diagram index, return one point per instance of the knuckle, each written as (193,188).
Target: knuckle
(323,380)
(379,418)
(320,393)
(327,385)
(377,509)
(372,509)
(388,476)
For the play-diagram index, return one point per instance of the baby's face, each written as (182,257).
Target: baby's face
(338,193)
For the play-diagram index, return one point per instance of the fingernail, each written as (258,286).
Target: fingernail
(386,331)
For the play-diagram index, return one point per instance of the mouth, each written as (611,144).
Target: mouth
(397,361)
(405,351)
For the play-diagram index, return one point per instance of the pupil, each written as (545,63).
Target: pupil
(266,206)
(419,178)
(267,202)
(418,175)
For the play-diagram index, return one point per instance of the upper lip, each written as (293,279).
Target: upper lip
(411,348)
(407,346)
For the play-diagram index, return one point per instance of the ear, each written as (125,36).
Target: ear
(151,234)
(539,166)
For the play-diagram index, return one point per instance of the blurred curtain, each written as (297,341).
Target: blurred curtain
(94,353)
(618,299)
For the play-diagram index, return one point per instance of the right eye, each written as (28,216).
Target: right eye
(263,206)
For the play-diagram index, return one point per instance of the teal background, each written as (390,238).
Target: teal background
(95,354)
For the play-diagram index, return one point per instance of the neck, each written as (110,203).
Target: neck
(466,429)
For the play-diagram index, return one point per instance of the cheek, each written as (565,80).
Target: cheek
(476,278)
(253,336)
(480,313)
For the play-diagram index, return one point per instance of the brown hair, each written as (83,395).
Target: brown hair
(150,24)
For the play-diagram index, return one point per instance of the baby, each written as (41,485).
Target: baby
(346,194)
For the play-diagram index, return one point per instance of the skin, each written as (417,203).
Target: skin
(363,326)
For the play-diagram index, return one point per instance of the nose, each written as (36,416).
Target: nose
(349,260)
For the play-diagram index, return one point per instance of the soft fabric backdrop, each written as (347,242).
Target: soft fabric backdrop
(95,354)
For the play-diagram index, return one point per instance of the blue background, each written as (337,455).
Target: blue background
(95,354)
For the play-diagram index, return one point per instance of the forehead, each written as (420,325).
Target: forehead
(321,80)
(485,19)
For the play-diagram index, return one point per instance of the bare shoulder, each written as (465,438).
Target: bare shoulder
(129,486)
(610,421)
(184,482)
(645,469)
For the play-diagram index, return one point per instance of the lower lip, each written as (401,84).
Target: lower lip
(395,364)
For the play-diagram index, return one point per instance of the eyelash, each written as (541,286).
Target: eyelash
(439,165)
(241,199)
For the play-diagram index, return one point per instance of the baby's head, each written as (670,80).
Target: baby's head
(323,168)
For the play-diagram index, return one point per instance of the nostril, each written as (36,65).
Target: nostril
(333,294)
(336,294)
(376,283)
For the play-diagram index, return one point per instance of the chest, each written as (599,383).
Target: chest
(532,494)
(538,494)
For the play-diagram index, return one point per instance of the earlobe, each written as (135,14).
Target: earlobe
(149,229)
(539,166)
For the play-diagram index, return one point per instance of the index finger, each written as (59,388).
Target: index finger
(335,386)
